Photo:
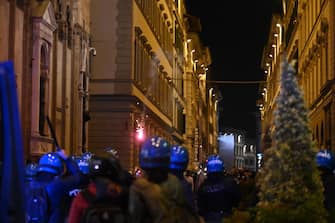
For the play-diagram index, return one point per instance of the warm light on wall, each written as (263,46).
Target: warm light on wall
(202,76)
(140,133)
(139,129)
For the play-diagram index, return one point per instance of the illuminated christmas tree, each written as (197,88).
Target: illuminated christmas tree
(290,189)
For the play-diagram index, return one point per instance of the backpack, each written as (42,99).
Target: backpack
(37,205)
(181,213)
(156,199)
(179,210)
(102,211)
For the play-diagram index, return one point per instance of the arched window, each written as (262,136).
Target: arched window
(244,149)
(44,70)
(43,27)
(239,139)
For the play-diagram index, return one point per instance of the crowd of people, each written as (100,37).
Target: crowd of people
(91,188)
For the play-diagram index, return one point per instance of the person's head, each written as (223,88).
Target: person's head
(178,159)
(106,174)
(31,171)
(51,164)
(83,164)
(325,160)
(214,164)
(87,155)
(155,158)
(104,167)
(113,152)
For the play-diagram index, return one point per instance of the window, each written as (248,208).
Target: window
(43,90)
(44,25)
(180,119)
(239,138)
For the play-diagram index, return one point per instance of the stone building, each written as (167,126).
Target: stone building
(305,33)
(201,98)
(270,88)
(49,44)
(144,79)
(109,73)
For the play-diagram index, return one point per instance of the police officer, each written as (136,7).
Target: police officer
(106,193)
(179,159)
(218,194)
(83,165)
(154,194)
(31,172)
(58,183)
(326,163)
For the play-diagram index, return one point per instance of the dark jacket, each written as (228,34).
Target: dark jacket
(217,196)
(328,180)
(148,201)
(58,189)
(112,192)
(115,197)
(188,189)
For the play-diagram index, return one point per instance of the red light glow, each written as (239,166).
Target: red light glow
(140,133)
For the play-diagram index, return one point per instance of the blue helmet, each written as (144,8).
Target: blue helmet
(31,170)
(87,156)
(325,158)
(178,158)
(83,164)
(214,164)
(155,152)
(51,163)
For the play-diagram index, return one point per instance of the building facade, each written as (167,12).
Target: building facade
(108,74)
(201,98)
(270,88)
(236,150)
(48,41)
(141,80)
(307,36)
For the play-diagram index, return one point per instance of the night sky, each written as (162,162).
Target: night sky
(235,32)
